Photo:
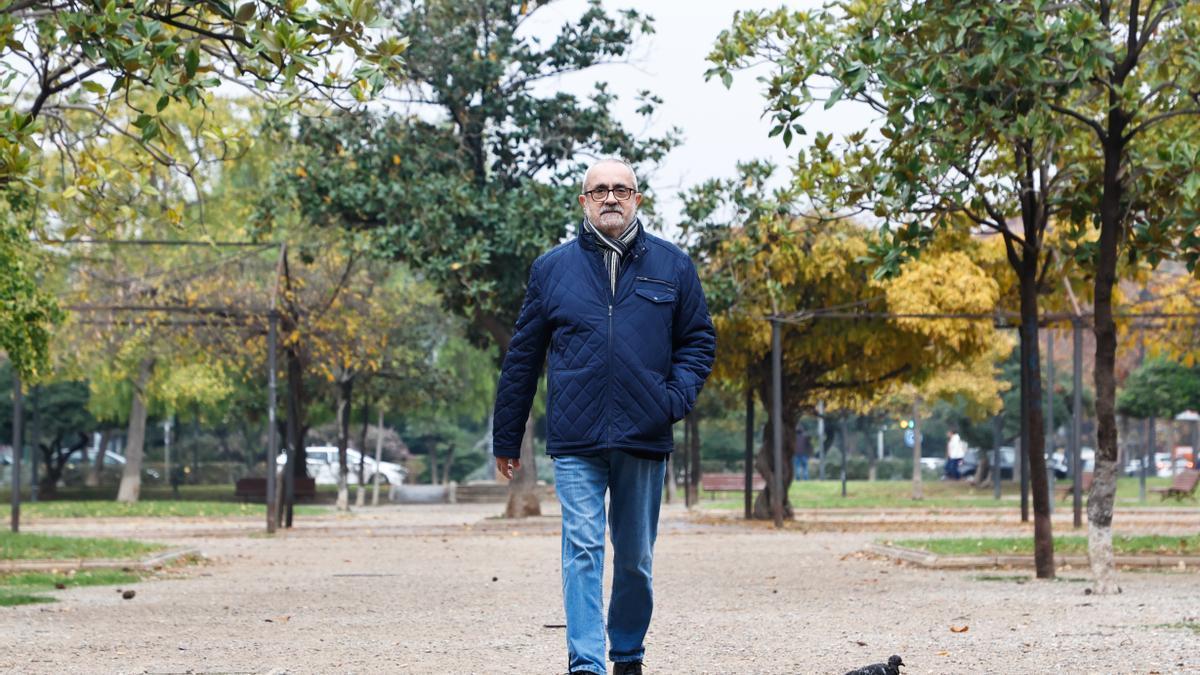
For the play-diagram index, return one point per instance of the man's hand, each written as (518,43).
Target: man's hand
(507,466)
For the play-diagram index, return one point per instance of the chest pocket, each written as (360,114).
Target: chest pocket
(657,291)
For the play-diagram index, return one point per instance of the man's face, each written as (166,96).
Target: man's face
(611,216)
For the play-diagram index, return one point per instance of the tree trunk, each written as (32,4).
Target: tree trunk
(669,479)
(765,464)
(297,408)
(522,491)
(1104,474)
(1031,402)
(360,498)
(447,464)
(131,476)
(345,390)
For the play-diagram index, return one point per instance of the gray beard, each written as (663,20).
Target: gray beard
(613,232)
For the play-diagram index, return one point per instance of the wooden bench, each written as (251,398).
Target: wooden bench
(713,483)
(254,489)
(1184,485)
(1085,484)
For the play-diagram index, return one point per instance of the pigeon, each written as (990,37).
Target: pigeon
(892,667)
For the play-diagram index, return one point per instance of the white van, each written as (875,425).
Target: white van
(322,464)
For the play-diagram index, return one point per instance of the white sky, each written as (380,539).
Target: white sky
(720,126)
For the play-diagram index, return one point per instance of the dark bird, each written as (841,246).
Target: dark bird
(892,667)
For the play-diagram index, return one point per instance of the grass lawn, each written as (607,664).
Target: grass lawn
(29,587)
(61,508)
(29,546)
(1148,544)
(827,494)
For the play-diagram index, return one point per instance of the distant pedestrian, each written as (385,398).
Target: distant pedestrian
(803,453)
(619,317)
(956,450)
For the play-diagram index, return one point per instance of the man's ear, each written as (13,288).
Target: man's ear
(637,200)
(582,200)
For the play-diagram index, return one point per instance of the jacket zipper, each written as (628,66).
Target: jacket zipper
(656,281)
(608,397)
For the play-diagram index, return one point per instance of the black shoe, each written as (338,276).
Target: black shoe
(627,668)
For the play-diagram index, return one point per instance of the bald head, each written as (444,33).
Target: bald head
(610,196)
(609,167)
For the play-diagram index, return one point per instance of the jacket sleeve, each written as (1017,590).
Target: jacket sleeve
(693,344)
(520,372)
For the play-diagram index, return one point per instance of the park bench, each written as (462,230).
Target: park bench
(713,483)
(1184,485)
(254,489)
(1085,484)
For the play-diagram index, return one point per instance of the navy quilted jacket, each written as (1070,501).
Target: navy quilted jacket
(623,367)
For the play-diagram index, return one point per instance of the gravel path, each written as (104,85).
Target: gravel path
(441,589)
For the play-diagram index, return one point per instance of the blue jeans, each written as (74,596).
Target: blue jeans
(635,493)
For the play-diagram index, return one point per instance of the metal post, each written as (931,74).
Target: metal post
(35,449)
(272,433)
(777,423)
(1077,421)
(821,439)
(1153,450)
(845,451)
(1147,455)
(1049,394)
(17,449)
(749,459)
(167,449)
(1023,443)
(997,439)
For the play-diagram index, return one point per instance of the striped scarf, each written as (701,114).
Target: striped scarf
(614,249)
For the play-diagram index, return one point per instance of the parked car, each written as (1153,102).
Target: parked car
(970,463)
(321,461)
(114,464)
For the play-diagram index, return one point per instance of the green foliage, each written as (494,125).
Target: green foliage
(97,58)
(1160,388)
(27,310)
(471,197)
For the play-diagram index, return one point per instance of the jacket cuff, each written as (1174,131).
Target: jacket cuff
(508,453)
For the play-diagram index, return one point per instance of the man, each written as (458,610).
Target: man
(620,318)
(956,450)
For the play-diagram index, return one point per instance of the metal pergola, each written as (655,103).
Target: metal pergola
(1002,319)
(220,316)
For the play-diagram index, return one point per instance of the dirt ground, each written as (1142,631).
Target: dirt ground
(451,589)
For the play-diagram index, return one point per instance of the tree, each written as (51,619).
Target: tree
(483,180)
(758,257)
(73,71)
(1160,388)
(1134,94)
(966,140)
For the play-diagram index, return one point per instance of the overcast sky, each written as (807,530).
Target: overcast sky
(720,126)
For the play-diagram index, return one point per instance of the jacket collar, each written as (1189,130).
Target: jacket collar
(636,250)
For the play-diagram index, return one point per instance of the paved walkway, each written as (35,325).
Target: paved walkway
(451,589)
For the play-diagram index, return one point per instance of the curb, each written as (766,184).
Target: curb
(155,560)
(933,561)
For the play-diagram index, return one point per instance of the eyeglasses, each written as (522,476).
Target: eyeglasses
(621,192)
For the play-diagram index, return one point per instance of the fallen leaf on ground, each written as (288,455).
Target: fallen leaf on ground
(959,629)
(128,595)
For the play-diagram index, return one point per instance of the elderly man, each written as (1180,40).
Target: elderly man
(621,316)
